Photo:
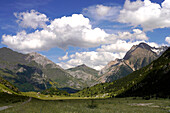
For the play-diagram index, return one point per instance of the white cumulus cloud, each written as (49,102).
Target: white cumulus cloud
(136,35)
(74,30)
(167,39)
(96,60)
(65,57)
(146,14)
(102,12)
(63,32)
(122,46)
(31,19)
(36,41)
(99,58)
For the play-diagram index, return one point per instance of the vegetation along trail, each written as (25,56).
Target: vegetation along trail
(6,107)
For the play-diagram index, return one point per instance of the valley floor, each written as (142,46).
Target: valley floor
(115,105)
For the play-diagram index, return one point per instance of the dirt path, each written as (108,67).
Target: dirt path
(6,107)
(27,101)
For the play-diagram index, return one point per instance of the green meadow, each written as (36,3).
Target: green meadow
(82,105)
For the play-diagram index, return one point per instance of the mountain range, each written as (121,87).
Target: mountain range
(85,74)
(149,81)
(35,72)
(137,57)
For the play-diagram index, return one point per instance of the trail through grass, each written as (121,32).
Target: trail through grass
(117,105)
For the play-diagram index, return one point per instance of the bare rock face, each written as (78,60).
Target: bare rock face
(109,65)
(81,75)
(42,60)
(137,57)
(115,72)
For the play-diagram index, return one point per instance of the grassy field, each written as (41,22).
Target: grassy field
(8,99)
(115,105)
(53,97)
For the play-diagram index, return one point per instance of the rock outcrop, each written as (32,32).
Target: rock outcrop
(137,57)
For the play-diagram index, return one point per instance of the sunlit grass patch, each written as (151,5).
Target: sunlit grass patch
(116,105)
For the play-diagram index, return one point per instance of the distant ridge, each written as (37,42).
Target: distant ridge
(137,57)
(85,74)
(35,72)
(147,82)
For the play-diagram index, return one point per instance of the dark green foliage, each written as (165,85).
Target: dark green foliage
(92,104)
(152,80)
(54,91)
(57,75)
(8,85)
(155,83)
(27,79)
(24,87)
(69,90)
(27,75)
(9,99)
(93,91)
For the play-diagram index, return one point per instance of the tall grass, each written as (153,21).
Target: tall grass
(117,105)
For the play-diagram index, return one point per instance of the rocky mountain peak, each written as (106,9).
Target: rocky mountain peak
(41,59)
(137,57)
(144,46)
(5,48)
(137,49)
(83,65)
(8,55)
(7,51)
(109,65)
(159,50)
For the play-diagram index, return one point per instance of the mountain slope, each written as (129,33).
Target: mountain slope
(24,74)
(155,81)
(55,91)
(33,71)
(137,57)
(7,87)
(85,74)
(151,80)
(85,69)
(9,94)
(41,60)
(26,78)
(54,72)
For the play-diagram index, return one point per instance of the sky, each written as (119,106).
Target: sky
(90,32)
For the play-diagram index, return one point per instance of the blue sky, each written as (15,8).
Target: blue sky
(91,32)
